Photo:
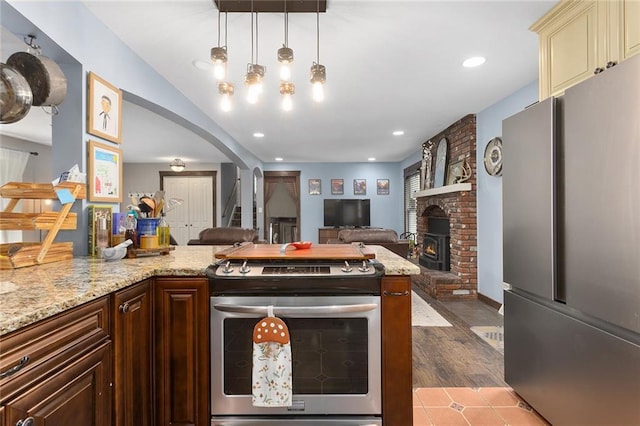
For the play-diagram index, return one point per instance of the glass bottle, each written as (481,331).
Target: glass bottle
(163,232)
(130,232)
(102,237)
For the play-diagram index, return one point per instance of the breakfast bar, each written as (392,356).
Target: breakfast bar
(143,324)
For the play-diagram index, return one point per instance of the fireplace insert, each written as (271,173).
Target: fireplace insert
(436,252)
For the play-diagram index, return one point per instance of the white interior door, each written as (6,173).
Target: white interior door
(200,205)
(196,213)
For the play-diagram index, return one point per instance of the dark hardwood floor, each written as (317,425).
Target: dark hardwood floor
(455,356)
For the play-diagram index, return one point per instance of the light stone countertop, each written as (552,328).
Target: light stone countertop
(34,293)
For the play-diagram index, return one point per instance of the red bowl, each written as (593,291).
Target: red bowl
(302,244)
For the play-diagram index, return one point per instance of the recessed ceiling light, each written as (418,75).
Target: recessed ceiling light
(371,158)
(258,135)
(474,62)
(398,133)
(202,65)
(279,158)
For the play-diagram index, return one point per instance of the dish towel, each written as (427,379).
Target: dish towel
(271,363)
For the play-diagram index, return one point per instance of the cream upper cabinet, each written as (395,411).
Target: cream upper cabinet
(581,37)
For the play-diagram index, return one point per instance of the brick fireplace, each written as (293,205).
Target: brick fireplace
(456,205)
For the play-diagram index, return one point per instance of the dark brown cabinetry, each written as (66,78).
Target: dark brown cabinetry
(396,351)
(181,351)
(133,385)
(67,377)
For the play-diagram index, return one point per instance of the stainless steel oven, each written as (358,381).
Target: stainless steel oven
(334,322)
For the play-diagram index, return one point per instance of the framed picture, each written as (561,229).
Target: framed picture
(455,171)
(105,109)
(105,173)
(359,187)
(314,186)
(337,186)
(382,186)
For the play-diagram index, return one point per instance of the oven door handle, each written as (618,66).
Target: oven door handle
(297,310)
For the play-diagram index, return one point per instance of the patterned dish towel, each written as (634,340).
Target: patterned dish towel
(271,363)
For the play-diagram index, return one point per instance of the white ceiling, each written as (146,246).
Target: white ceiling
(391,65)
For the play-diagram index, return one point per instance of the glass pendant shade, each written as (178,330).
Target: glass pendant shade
(285,58)
(219,59)
(318,78)
(287,90)
(226,90)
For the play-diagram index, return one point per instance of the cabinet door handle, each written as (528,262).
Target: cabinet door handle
(598,70)
(124,308)
(395,293)
(13,370)
(611,64)
(26,422)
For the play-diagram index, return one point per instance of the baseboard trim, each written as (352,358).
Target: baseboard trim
(489,301)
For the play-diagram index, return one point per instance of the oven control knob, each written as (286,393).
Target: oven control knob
(244,269)
(227,269)
(364,267)
(346,267)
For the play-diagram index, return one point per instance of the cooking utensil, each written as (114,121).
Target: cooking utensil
(172,203)
(15,95)
(147,205)
(158,197)
(46,79)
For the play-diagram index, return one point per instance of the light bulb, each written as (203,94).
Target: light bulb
(225,103)
(253,93)
(318,91)
(219,70)
(287,102)
(285,71)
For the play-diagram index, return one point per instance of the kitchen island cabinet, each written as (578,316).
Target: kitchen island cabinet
(58,371)
(397,391)
(133,384)
(181,312)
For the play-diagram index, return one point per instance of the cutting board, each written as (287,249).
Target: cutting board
(251,251)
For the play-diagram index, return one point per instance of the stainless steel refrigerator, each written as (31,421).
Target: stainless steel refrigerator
(571,241)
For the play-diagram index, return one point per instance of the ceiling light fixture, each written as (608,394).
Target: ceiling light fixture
(398,133)
(177,165)
(474,62)
(287,89)
(285,54)
(318,72)
(258,135)
(279,158)
(219,53)
(226,90)
(255,72)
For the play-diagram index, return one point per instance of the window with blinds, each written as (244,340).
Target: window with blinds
(411,185)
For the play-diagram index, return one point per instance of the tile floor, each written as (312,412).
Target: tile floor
(472,407)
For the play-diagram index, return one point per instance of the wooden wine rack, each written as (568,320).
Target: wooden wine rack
(19,255)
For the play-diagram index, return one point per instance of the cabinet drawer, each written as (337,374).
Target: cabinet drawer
(51,344)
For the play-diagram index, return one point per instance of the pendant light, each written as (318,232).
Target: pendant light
(226,90)
(219,53)
(287,89)
(285,54)
(255,72)
(318,71)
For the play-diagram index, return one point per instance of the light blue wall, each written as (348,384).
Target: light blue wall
(70,34)
(386,210)
(489,191)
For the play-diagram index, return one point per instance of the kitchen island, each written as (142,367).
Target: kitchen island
(40,294)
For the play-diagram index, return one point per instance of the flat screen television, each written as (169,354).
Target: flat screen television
(340,212)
